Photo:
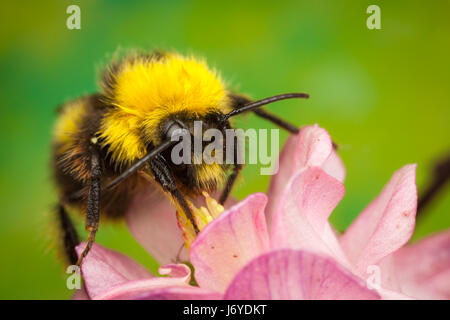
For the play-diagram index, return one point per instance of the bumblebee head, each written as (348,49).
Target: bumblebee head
(151,95)
(146,91)
(198,158)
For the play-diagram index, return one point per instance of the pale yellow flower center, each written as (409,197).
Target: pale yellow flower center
(202,217)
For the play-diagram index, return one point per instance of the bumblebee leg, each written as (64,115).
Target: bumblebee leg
(69,234)
(281,123)
(239,101)
(93,204)
(229,184)
(165,178)
(276,120)
(440,179)
(131,170)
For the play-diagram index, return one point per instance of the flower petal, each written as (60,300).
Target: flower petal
(152,221)
(180,271)
(311,147)
(422,270)
(229,242)
(386,224)
(103,268)
(181,293)
(301,220)
(280,180)
(80,294)
(180,276)
(294,274)
(392,295)
(335,167)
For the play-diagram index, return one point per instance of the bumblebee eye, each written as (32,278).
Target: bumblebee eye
(171,128)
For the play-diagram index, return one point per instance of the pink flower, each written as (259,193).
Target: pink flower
(281,246)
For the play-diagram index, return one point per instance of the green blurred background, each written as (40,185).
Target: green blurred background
(382,94)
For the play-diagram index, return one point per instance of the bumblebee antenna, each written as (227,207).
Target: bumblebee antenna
(262,102)
(163,146)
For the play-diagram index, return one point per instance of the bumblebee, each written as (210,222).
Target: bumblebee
(106,142)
